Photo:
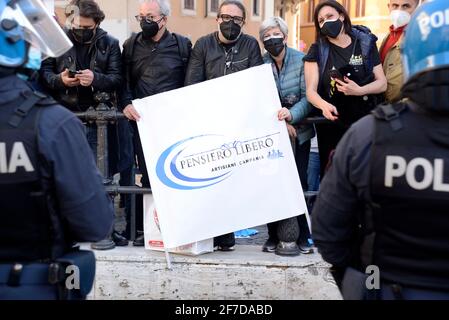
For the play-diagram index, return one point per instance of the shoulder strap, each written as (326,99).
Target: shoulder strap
(21,112)
(390,113)
(130,49)
(183,48)
(129,56)
(367,41)
(323,57)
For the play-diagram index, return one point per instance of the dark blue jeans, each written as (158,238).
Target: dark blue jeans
(91,135)
(313,172)
(407,293)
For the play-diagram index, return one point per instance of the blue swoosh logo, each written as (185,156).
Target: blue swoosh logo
(161,174)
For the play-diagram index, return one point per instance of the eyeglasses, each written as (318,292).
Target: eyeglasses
(148,19)
(274,36)
(237,20)
(84,27)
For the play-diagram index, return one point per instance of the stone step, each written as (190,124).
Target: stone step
(246,273)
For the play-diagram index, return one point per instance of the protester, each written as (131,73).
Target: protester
(91,67)
(154,61)
(344,76)
(390,50)
(288,72)
(223,52)
(382,206)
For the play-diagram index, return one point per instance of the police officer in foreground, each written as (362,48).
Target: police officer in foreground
(51,191)
(384,202)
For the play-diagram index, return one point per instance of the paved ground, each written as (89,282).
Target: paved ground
(246,273)
(258,239)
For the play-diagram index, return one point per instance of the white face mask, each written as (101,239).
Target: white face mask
(399,18)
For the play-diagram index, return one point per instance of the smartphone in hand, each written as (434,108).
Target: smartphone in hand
(348,72)
(335,74)
(72,73)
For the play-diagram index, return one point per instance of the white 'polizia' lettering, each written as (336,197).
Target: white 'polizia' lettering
(433,173)
(18,158)
(436,20)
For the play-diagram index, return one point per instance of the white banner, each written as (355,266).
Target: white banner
(153,236)
(218,158)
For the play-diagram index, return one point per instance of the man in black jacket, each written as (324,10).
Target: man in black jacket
(220,53)
(225,51)
(92,65)
(154,61)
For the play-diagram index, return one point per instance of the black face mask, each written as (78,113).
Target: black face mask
(332,28)
(274,46)
(149,29)
(230,30)
(84,35)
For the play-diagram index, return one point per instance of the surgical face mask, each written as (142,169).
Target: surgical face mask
(230,30)
(274,45)
(84,35)
(399,18)
(332,28)
(33,64)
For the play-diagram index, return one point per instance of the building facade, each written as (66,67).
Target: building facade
(192,18)
(299,15)
(371,13)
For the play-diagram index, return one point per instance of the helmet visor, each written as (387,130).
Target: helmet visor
(40,28)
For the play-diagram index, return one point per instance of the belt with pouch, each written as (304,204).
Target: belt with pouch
(15,275)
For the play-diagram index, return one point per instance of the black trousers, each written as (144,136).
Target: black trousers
(328,135)
(127,179)
(138,150)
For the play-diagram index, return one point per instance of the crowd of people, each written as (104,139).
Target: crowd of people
(342,76)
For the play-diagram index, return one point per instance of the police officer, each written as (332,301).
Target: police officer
(51,192)
(383,205)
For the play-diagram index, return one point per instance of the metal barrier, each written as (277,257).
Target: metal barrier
(315,120)
(103,115)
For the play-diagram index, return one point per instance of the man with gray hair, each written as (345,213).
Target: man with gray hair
(154,61)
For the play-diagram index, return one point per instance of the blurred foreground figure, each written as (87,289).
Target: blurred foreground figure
(51,192)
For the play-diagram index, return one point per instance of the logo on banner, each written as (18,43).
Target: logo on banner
(205,160)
